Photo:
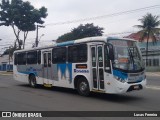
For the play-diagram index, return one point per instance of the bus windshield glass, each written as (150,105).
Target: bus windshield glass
(127,56)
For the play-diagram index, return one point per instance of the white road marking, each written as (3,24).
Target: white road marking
(153,87)
(153,74)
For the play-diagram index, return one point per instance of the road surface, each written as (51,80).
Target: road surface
(17,96)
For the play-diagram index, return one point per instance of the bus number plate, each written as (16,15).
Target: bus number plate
(136,87)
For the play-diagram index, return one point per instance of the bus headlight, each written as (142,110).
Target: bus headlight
(120,79)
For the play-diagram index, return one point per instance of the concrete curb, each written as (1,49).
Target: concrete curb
(6,73)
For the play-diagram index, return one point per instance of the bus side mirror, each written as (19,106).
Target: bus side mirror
(110,51)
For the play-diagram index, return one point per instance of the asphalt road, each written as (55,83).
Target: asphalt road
(17,96)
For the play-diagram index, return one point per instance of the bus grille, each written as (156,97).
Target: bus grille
(135,78)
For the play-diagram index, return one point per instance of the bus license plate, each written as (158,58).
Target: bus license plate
(136,87)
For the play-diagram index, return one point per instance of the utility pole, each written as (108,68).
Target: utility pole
(9,57)
(0,52)
(36,41)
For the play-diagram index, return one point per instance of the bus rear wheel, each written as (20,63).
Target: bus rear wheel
(83,87)
(32,81)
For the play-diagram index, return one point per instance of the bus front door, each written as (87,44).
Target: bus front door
(47,67)
(98,67)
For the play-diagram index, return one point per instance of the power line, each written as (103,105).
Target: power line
(105,16)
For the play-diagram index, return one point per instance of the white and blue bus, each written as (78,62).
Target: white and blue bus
(100,64)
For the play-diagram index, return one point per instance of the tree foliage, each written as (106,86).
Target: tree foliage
(21,16)
(82,31)
(149,27)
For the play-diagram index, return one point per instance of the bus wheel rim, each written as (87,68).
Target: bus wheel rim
(83,86)
(33,82)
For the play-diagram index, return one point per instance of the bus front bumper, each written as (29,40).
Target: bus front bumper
(126,87)
(135,86)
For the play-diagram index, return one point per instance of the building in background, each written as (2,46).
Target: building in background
(153,62)
(6,63)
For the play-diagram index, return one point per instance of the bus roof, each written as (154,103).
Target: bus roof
(83,40)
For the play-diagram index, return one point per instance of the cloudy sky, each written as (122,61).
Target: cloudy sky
(60,11)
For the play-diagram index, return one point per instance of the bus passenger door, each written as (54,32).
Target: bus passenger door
(98,67)
(47,67)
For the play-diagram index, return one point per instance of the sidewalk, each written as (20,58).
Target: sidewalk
(6,73)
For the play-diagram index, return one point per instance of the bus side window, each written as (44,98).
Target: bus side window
(39,57)
(59,55)
(15,59)
(82,51)
(72,54)
(21,59)
(32,57)
(77,53)
(49,59)
(45,60)
(107,61)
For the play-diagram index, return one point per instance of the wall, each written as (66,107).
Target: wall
(153,56)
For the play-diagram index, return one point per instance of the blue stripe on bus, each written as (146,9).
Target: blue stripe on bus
(27,73)
(120,74)
(65,43)
(70,71)
(113,38)
(63,68)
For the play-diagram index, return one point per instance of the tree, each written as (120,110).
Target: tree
(22,17)
(149,24)
(10,50)
(82,31)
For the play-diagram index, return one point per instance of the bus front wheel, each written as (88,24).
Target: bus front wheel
(32,81)
(83,87)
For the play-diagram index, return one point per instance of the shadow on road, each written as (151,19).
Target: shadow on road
(118,98)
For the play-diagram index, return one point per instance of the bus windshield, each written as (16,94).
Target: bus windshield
(127,55)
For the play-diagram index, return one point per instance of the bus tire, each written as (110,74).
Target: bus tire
(32,81)
(83,87)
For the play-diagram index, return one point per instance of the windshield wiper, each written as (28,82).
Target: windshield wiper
(131,56)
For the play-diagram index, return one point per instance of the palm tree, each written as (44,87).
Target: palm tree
(149,27)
